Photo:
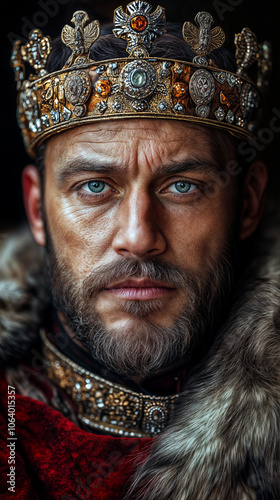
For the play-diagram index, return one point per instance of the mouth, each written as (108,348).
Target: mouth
(140,289)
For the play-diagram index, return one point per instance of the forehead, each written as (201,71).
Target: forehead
(130,139)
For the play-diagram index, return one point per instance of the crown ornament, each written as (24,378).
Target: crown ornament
(80,38)
(139,27)
(85,91)
(203,39)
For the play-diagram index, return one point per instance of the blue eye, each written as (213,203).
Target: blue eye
(96,189)
(182,187)
(96,186)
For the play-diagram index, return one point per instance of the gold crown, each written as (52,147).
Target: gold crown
(84,91)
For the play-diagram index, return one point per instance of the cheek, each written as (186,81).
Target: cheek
(81,236)
(198,235)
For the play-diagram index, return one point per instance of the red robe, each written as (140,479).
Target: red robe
(57,460)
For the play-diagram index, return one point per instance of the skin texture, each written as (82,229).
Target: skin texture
(140,213)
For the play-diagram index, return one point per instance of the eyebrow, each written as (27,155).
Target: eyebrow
(79,166)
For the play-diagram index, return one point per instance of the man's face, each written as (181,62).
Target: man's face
(137,246)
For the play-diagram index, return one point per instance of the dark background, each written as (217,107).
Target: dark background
(20,17)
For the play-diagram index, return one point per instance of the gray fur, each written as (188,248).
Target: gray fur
(23,295)
(224,444)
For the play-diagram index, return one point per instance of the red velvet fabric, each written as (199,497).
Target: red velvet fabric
(57,460)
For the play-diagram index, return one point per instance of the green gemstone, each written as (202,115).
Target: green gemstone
(138,78)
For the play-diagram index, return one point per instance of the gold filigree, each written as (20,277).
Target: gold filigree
(106,406)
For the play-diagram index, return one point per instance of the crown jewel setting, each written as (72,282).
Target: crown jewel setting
(84,91)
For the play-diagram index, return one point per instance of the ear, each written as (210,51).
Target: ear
(33,203)
(253,199)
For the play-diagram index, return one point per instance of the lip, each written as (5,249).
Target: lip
(140,289)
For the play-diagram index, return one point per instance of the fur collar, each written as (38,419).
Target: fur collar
(23,295)
(224,441)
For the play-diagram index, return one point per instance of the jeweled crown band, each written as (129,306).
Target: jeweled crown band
(84,91)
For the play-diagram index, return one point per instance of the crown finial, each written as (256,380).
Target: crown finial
(203,39)
(18,64)
(246,50)
(264,66)
(80,38)
(36,51)
(139,27)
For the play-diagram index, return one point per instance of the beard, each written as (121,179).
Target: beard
(148,347)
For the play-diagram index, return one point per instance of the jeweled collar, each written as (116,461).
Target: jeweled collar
(106,406)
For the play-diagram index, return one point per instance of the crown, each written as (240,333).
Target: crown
(84,91)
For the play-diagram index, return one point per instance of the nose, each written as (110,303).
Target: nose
(139,227)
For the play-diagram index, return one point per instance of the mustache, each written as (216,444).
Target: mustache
(156,270)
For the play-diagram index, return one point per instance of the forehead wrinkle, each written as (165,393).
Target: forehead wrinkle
(78,165)
(130,127)
(155,158)
(127,139)
(141,149)
(110,133)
